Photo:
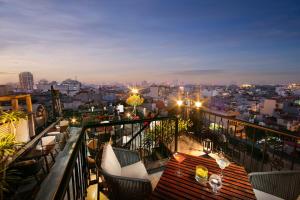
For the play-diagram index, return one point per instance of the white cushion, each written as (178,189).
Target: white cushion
(64,123)
(53,133)
(110,162)
(45,141)
(136,170)
(48,140)
(260,195)
(154,178)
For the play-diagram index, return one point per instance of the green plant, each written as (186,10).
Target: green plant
(7,148)
(134,100)
(8,145)
(12,118)
(164,131)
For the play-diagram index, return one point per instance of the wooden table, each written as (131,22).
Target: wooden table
(236,184)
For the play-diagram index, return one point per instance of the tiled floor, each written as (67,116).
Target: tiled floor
(92,192)
(190,146)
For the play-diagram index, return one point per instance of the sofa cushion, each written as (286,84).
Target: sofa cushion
(109,162)
(46,141)
(154,178)
(260,195)
(136,170)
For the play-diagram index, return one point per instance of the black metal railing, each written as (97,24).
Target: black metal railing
(256,147)
(153,138)
(68,178)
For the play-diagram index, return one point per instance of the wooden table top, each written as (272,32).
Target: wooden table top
(236,184)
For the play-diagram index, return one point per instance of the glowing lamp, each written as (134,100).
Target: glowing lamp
(198,104)
(73,120)
(207,146)
(179,102)
(134,91)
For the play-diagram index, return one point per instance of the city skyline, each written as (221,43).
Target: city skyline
(130,41)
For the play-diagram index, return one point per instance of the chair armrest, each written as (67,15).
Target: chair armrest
(131,188)
(126,157)
(284,184)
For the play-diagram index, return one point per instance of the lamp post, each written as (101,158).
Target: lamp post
(198,105)
(134,99)
(134,91)
(179,104)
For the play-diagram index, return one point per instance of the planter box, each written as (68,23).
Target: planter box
(21,131)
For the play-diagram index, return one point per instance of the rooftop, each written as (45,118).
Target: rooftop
(66,159)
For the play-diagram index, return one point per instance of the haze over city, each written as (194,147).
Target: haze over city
(215,42)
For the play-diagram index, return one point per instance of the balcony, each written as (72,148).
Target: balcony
(73,172)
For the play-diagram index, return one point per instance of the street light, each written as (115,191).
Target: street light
(179,102)
(134,91)
(73,120)
(198,104)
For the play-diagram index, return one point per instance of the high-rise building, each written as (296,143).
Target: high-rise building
(4,90)
(26,80)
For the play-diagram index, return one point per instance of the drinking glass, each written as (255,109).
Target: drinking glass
(179,158)
(215,183)
(222,162)
(201,174)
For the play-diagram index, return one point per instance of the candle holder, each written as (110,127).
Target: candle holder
(207,146)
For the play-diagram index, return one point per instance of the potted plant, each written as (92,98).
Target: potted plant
(135,100)
(15,122)
(7,148)
(162,134)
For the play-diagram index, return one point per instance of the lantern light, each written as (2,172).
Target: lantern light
(134,91)
(179,102)
(73,120)
(207,146)
(198,104)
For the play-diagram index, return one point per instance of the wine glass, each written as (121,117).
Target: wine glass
(222,162)
(215,183)
(179,158)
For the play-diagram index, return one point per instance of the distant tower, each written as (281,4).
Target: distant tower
(26,80)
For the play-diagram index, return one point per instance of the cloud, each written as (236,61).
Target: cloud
(1,73)
(197,72)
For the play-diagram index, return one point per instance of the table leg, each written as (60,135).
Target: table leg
(47,165)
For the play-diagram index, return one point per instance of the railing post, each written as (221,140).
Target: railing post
(176,134)
(294,154)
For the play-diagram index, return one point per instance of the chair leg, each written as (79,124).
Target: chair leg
(98,185)
(36,178)
(44,171)
(56,151)
(47,164)
(52,156)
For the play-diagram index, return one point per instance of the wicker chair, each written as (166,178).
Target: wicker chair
(283,184)
(120,187)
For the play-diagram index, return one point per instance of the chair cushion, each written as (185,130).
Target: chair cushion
(154,178)
(260,195)
(46,141)
(109,162)
(136,170)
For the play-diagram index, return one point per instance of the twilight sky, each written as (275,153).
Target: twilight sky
(200,41)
